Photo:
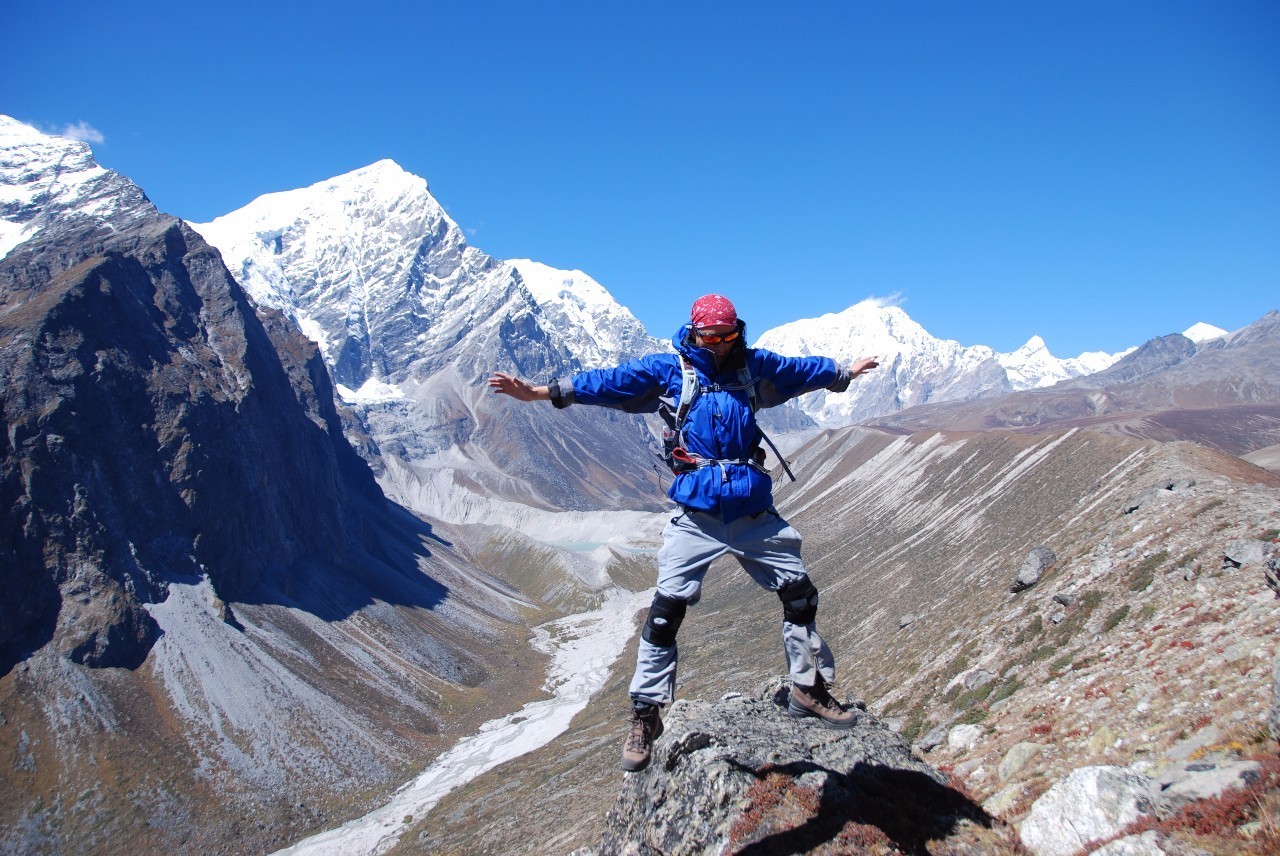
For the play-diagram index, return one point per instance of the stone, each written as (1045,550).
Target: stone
(978,678)
(1004,800)
(907,620)
(1091,803)
(717,759)
(1039,560)
(1273,716)
(1017,758)
(1183,750)
(935,737)
(1248,551)
(963,737)
(1180,784)
(1101,738)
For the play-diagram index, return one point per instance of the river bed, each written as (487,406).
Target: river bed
(582,649)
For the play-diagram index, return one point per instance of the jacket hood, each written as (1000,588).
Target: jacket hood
(701,358)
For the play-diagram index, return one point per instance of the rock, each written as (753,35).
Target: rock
(978,678)
(963,737)
(741,773)
(1039,560)
(1271,570)
(934,738)
(1248,551)
(1273,716)
(907,620)
(1017,758)
(1146,844)
(1004,800)
(1101,738)
(1183,750)
(1066,598)
(1182,783)
(1091,803)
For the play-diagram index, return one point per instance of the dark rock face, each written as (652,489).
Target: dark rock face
(743,775)
(154,428)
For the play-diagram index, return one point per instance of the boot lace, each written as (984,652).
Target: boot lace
(640,737)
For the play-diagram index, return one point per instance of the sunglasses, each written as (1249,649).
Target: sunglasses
(713,339)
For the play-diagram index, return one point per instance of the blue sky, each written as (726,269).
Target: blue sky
(1097,173)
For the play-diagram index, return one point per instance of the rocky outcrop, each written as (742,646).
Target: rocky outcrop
(153,431)
(739,775)
(1038,561)
(1091,804)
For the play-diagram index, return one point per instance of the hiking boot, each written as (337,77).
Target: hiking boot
(816,701)
(646,726)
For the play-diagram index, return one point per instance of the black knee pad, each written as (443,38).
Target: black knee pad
(665,615)
(799,601)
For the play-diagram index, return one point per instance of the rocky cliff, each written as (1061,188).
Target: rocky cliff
(739,775)
(215,631)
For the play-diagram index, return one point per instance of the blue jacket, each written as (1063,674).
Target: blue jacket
(720,425)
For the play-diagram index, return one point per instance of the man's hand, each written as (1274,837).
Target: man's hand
(506,384)
(862,366)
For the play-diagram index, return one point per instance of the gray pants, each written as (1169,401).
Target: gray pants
(769,550)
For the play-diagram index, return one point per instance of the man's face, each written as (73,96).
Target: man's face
(719,339)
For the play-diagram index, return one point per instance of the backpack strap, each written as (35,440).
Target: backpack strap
(691,387)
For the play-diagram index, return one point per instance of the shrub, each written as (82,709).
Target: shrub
(1115,618)
(1006,689)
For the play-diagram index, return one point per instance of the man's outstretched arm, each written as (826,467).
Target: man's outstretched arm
(521,390)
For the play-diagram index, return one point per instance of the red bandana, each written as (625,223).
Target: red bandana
(712,310)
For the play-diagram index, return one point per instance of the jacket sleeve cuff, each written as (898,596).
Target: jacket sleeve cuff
(561,392)
(842,381)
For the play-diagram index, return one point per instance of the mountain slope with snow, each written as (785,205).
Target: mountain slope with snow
(915,368)
(411,320)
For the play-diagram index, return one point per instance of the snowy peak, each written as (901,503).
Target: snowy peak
(916,368)
(368,264)
(1202,332)
(595,327)
(47,180)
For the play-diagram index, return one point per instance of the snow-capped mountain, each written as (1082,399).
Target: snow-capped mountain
(203,585)
(915,368)
(1202,332)
(597,329)
(47,180)
(411,320)
(1032,366)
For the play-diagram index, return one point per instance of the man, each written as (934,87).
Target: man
(724,494)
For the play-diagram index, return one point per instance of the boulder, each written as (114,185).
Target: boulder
(934,738)
(1091,803)
(1017,758)
(978,678)
(740,773)
(1179,784)
(1248,551)
(963,737)
(1039,560)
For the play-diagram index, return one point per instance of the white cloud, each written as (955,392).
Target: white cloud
(895,299)
(84,132)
